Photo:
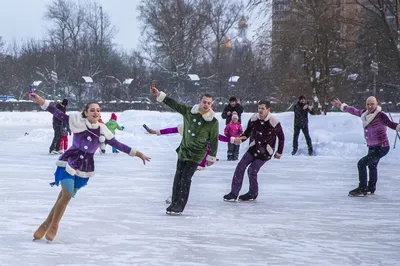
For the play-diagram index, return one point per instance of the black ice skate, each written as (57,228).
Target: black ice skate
(174,209)
(230,197)
(371,188)
(173,213)
(247,197)
(358,192)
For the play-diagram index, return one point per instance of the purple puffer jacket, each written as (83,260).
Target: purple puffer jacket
(375,125)
(79,158)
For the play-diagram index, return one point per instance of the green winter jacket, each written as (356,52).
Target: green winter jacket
(112,125)
(199,131)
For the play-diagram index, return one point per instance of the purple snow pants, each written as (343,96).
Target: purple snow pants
(255,166)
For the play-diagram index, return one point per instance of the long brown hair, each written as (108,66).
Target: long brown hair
(87,108)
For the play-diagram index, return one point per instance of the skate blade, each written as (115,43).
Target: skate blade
(359,195)
(42,241)
(173,213)
(230,200)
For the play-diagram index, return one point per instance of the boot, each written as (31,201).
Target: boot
(51,232)
(371,187)
(246,197)
(294,151)
(41,231)
(358,192)
(174,209)
(310,151)
(230,197)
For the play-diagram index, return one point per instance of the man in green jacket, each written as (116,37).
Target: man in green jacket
(200,129)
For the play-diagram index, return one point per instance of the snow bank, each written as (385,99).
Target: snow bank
(336,134)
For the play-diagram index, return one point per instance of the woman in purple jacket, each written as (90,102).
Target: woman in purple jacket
(375,123)
(76,165)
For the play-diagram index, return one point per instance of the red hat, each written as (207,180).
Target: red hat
(114,116)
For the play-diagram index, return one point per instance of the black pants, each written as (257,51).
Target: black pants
(181,188)
(233,152)
(296,137)
(55,144)
(371,160)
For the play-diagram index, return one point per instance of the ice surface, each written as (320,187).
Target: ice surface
(302,216)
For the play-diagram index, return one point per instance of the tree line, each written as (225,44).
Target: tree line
(323,48)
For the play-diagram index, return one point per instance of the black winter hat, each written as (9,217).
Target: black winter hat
(65,102)
(302,97)
(232,99)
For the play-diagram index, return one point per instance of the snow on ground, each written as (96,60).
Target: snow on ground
(302,216)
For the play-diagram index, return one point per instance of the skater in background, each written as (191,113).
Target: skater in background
(55,144)
(301,111)
(233,130)
(179,129)
(375,123)
(112,125)
(76,165)
(233,106)
(200,129)
(64,137)
(263,129)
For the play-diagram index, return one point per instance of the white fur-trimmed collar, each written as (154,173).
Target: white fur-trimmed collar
(78,124)
(92,126)
(272,119)
(209,116)
(256,116)
(367,118)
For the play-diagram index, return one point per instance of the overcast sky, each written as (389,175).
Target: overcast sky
(23,19)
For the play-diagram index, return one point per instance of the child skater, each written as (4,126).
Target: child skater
(233,129)
(64,137)
(112,125)
(76,165)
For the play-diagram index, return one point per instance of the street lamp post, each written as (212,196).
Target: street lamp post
(375,69)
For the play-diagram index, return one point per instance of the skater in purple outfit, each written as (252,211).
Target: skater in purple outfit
(262,129)
(375,124)
(76,165)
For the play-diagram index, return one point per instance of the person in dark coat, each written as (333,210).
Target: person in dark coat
(57,126)
(263,130)
(301,111)
(233,106)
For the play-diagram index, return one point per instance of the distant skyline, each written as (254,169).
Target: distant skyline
(21,20)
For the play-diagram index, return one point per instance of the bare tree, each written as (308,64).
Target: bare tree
(81,38)
(173,32)
(99,33)
(388,13)
(221,16)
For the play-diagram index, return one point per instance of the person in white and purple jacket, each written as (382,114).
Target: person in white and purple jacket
(262,131)
(76,165)
(375,124)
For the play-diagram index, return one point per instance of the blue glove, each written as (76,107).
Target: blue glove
(123,127)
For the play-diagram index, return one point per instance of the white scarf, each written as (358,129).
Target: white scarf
(367,118)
